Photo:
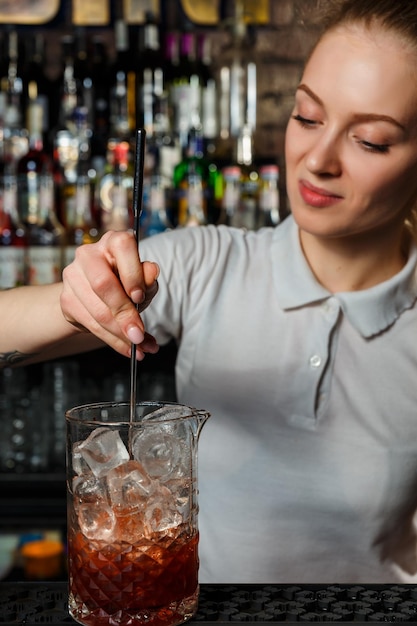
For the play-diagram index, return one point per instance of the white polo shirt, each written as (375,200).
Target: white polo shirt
(308,465)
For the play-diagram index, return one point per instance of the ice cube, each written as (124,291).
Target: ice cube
(89,489)
(96,521)
(79,466)
(158,450)
(168,412)
(102,450)
(183,468)
(161,512)
(183,495)
(129,486)
(129,528)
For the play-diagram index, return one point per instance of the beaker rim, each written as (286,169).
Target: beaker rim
(80,413)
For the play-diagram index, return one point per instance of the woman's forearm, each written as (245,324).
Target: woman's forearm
(99,303)
(33,327)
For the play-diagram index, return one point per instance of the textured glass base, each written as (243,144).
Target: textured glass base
(171,615)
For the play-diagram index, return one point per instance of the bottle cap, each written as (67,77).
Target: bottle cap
(231,172)
(269,171)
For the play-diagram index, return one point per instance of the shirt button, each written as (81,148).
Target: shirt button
(315,361)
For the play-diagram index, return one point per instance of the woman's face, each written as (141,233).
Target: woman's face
(351,145)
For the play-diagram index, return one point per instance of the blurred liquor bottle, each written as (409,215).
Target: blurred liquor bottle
(165,144)
(155,217)
(65,159)
(36,83)
(185,90)
(116,188)
(194,184)
(230,202)
(35,193)
(67,88)
(268,203)
(240,58)
(152,98)
(122,85)
(12,232)
(15,134)
(171,62)
(101,104)
(237,84)
(83,74)
(77,191)
(209,94)
(150,78)
(247,215)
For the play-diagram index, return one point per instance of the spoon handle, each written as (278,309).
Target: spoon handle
(137,211)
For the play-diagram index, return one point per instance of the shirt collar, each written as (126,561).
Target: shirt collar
(370,311)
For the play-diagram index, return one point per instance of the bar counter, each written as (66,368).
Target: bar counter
(46,603)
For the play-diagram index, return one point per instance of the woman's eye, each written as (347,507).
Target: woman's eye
(376,147)
(304,121)
(380,148)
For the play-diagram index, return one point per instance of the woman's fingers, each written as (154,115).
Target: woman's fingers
(98,289)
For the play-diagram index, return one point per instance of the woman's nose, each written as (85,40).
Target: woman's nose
(324,157)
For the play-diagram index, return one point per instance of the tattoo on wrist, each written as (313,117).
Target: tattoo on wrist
(13,358)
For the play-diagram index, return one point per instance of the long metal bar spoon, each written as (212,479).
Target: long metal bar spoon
(137,211)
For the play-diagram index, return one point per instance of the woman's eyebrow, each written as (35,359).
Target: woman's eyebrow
(358,117)
(375,117)
(313,96)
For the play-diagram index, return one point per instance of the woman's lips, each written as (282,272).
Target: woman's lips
(316,197)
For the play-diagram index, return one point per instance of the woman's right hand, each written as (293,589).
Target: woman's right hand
(102,287)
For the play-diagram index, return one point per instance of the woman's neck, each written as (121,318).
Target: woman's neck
(355,263)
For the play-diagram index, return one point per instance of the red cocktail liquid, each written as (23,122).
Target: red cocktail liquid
(153,581)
